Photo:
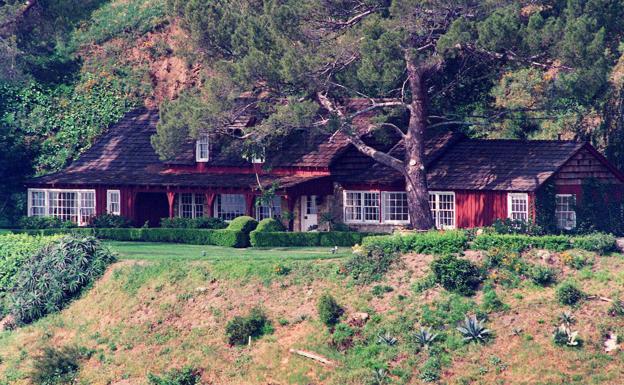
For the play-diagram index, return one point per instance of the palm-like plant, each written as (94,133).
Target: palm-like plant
(565,336)
(387,339)
(380,377)
(424,337)
(474,330)
(567,318)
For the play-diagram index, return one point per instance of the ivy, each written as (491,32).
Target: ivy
(602,209)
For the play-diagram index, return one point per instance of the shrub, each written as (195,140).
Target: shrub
(597,242)
(193,223)
(569,294)
(342,337)
(543,275)
(255,325)
(509,226)
(56,274)
(270,225)
(341,238)
(44,223)
(109,221)
(457,275)
(518,243)
(366,267)
(244,223)
(14,250)
(185,376)
(431,242)
(328,309)
(380,290)
(491,302)
(220,237)
(284,239)
(58,366)
(474,330)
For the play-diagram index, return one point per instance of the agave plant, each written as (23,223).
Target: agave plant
(387,339)
(567,318)
(473,330)
(424,337)
(565,336)
(380,376)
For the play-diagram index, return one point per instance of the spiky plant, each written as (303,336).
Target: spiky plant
(563,335)
(387,339)
(567,318)
(474,330)
(380,376)
(424,337)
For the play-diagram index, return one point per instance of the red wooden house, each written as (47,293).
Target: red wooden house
(472,182)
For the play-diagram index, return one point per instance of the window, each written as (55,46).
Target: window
(77,206)
(271,210)
(230,206)
(37,203)
(190,205)
(113,202)
(442,206)
(202,148)
(395,209)
(565,211)
(518,206)
(361,206)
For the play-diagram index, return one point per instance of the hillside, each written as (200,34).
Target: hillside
(149,317)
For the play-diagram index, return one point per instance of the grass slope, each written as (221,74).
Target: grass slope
(151,316)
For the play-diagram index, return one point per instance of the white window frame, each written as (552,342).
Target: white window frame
(362,207)
(31,205)
(197,206)
(510,212)
(571,210)
(385,208)
(274,210)
(109,202)
(78,207)
(436,212)
(218,204)
(202,141)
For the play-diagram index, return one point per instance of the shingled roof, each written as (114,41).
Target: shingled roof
(471,164)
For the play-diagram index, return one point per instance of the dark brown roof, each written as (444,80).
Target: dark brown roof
(459,163)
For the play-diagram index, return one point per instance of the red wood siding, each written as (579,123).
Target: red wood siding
(480,208)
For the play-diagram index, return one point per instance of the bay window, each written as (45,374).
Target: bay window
(518,206)
(442,206)
(230,206)
(77,206)
(565,211)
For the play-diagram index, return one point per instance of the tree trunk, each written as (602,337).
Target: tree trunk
(416,174)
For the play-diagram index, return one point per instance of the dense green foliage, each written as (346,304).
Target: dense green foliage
(432,242)
(294,239)
(193,223)
(44,223)
(598,242)
(601,243)
(456,274)
(14,250)
(185,376)
(329,311)
(244,224)
(56,274)
(568,293)
(270,225)
(108,221)
(241,328)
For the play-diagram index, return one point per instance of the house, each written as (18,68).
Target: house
(318,178)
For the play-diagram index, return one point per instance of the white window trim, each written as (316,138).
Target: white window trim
(446,227)
(193,205)
(383,211)
(78,201)
(572,211)
(361,221)
(217,212)
(509,205)
(198,143)
(109,193)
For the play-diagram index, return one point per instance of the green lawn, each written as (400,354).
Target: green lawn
(175,251)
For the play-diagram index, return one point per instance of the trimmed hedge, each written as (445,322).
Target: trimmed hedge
(431,242)
(220,237)
(309,239)
(193,223)
(244,223)
(270,225)
(598,242)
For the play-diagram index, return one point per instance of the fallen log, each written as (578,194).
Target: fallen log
(314,356)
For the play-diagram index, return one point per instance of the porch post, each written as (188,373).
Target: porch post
(291,200)
(249,200)
(210,198)
(171,199)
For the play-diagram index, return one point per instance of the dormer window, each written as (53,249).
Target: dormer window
(202,148)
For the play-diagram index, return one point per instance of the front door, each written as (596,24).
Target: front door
(309,217)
